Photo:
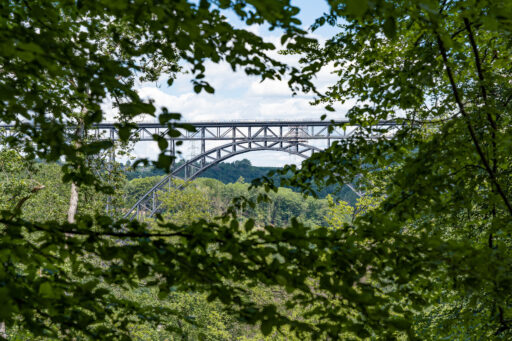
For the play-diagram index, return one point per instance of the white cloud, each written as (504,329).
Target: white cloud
(239,97)
(269,88)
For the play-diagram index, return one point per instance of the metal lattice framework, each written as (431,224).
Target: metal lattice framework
(222,140)
(293,137)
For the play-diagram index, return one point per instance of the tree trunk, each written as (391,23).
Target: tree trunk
(73,203)
(3,331)
(73,197)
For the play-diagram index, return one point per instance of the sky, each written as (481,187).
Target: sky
(241,97)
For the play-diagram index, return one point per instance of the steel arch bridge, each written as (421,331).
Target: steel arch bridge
(222,140)
(234,138)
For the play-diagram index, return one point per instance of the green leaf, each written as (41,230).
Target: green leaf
(163,144)
(266,327)
(136,108)
(389,27)
(165,117)
(96,146)
(356,7)
(46,290)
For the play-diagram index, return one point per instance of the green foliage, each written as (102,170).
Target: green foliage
(225,172)
(60,61)
(137,187)
(38,190)
(440,236)
(428,259)
(187,204)
(279,210)
(230,172)
(75,55)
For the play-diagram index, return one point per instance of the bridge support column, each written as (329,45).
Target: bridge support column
(203,146)
(233,131)
(172,148)
(281,137)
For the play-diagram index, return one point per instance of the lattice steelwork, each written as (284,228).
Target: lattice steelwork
(240,137)
(236,137)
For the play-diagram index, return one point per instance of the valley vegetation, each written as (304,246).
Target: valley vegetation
(33,185)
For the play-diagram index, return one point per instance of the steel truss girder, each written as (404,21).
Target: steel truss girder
(236,130)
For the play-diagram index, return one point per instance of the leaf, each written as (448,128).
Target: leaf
(165,117)
(266,327)
(389,28)
(249,224)
(46,290)
(96,146)
(209,89)
(142,270)
(356,7)
(163,162)
(124,132)
(136,108)
(163,144)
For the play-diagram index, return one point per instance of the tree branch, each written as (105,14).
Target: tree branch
(480,72)
(22,201)
(471,129)
(491,120)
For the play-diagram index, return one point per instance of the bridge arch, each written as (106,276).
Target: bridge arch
(149,203)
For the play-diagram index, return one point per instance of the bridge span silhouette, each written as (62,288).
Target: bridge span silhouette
(222,140)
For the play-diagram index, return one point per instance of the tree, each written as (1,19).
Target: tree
(185,203)
(60,61)
(194,318)
(137,187)
(437,248)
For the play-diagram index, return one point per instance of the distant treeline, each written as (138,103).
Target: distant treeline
(224,172)
(230,172)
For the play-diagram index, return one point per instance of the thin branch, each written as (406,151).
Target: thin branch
(441,6)
(466,167)
(22,201)
(442,120)
(125,234)
(491,120)
(471,129)
(503,322)
(480,72)
(507,101)
(486,51)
